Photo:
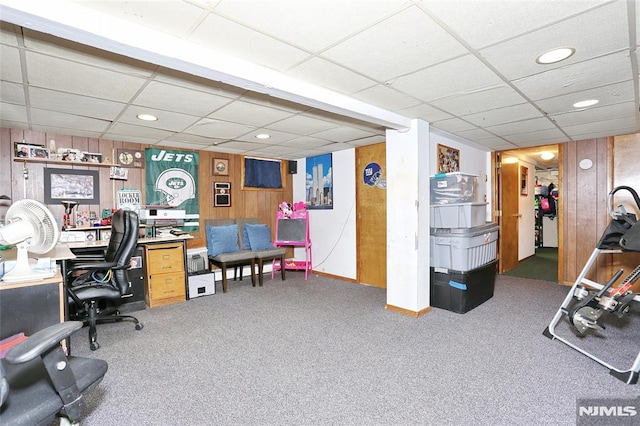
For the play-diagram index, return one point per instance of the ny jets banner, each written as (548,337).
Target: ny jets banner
(172,180)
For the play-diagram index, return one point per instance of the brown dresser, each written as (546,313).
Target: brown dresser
(166,277)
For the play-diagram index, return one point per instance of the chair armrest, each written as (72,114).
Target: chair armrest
(41,342)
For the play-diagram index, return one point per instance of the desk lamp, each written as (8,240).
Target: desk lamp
(66,219)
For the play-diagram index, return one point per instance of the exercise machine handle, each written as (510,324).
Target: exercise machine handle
(618,214)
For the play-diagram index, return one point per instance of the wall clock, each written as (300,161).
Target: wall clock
(220,167)
(130,157)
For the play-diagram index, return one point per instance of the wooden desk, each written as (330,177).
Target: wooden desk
(31,306)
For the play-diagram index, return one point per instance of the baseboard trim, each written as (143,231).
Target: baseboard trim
(335,277)
(407,312)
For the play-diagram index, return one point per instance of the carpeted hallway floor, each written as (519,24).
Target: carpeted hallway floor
(541,266)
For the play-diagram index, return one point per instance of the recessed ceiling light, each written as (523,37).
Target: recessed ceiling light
(584,104)
(555,55)
(263,136)
(147,117)
(547,155)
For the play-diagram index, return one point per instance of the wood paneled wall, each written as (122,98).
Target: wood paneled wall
(583,202)
(244,203)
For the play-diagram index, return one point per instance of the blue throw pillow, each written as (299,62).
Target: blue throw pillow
(259,236)
(245,238)
(222,239)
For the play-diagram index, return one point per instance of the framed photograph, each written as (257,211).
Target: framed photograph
(222,194)
(448,159)
(118,173)
(38,152)
(82,186)
(220,167)
(23,149)
(70,154)
(319,186)
(92,157)
(524,180)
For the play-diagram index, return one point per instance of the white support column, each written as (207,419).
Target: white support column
(407,173)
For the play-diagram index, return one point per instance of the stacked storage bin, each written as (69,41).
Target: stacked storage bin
(463,244)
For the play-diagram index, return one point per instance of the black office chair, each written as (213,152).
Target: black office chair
(105,279)
(39,383)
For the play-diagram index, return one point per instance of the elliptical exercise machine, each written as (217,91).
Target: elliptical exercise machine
(588,301)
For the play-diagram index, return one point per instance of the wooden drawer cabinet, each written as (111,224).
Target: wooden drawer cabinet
(166,278)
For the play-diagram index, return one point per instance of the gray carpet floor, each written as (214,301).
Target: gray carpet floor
(326,352)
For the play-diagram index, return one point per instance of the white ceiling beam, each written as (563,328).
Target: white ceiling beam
(74,22)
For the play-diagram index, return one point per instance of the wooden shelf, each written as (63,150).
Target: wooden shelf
(66,163)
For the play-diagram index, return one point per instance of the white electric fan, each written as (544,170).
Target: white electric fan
(31,227)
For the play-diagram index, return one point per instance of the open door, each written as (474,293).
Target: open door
(506,214)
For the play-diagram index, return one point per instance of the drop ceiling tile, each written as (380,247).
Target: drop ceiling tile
(47,44)
(12,93)
(306,153)
(8,33)
(516,58)
(367,141)
(607,95)
(605,133)
(483,99)
(612,125)
(523,126)
(305,142)
(274,151)
(9,124)
(240,146)
(12,112)
(194,139)
(249,113)
(501,19)
(223,150)
(226,36)
(425,112)
(453,125)
(304,23)
(401,44)
(385,97)
(342,134)
(69,121)
(276,137)
(194,82)
(475,134)
(211,128)
(183,145)
(74,104)
(172,17)
(167,120)
(65,131)
(302,125)
(601,71)
(327,74)
(10,68)
(504,115)
(139,131)
(590,115)
(539,137)
(179,99)
(66,76)
(436,82)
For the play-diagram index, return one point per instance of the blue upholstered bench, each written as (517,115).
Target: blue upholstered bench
(240,242)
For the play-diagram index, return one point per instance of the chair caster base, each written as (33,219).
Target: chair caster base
(94,346)
(139,326)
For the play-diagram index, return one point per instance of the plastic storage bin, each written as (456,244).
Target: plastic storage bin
(464,215)
(460,292)
(453,188)
(463,249)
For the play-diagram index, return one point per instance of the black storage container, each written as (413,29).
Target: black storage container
(460,292)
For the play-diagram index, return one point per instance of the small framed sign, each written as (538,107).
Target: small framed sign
(220,167)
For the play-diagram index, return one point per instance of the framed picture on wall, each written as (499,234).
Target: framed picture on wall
(82,186)
(448,159)
(220,167)
(319,185)
(524,180)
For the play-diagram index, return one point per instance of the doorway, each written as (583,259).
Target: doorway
(529,186)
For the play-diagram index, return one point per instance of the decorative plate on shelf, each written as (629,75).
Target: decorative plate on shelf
(130,157)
